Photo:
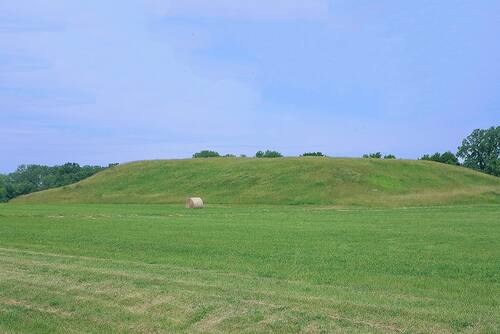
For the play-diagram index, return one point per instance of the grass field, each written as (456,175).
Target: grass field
(298,181)
(157,268)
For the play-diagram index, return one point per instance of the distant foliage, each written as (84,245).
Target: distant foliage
(268,154)
(481,150)
(5,188)
(229,156)
(313,154)
(445,158)
(377,155)
(30,178)
(206,154)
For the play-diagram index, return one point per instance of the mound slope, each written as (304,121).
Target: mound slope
(318,181)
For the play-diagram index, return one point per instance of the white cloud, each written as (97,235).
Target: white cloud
(243,9)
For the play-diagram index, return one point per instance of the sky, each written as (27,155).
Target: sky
(97,82)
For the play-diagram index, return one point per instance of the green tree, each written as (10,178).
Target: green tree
(3,188)
(30,178)
(313,154)
(206,154)
(268,154)
(389,156)
(445,158)
(481,150)
(376,155)
(449,158)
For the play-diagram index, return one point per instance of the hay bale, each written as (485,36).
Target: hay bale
(194,203)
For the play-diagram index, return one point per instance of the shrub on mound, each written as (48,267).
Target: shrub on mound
(268,154)
(313,154)
(206,154)
(445,158)
(376,155)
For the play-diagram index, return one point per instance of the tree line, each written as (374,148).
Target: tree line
(31,178)
(479,151)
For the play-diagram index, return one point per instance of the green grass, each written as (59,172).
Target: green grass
(163,269)
(318,181)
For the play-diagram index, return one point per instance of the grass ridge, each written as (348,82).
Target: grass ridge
(282,181)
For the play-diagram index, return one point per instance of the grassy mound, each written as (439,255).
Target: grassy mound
(318,181)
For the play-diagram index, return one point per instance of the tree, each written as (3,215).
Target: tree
(4,196)
(377,155)
(206,154)
(268,154)
(445,158)
(389,156)
(481,150)
(449,158)
(30,178)
(313,154)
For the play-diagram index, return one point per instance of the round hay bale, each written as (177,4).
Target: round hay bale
(194,203)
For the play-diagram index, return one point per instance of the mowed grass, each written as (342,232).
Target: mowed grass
(164,269)
(283,181)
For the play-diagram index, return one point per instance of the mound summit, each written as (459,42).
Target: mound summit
(282,181)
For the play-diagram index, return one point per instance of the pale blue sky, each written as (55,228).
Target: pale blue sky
(95,81)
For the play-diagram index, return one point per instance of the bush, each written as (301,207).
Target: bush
(445,158)
(377,155)
(389,156)
(4,193)
(268,154)
(206,154)
(313,154)
(30,178)
(229,156)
